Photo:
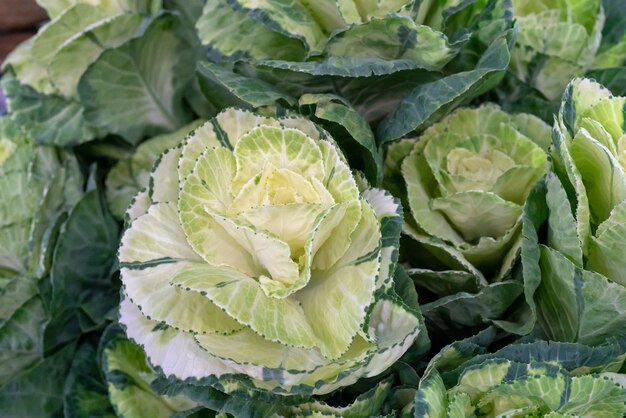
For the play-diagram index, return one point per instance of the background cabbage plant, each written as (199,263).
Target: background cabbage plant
(465,181)
(581,266)
(57,250)
(382,57)
(560,40)
(251,241)
(93,71)
(523,379)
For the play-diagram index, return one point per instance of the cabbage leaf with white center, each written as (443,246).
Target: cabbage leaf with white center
(245,263)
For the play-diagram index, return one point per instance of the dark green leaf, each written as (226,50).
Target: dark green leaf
(428,102)
(83,294)
(38,392)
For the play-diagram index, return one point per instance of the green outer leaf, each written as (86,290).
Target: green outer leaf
(334,109)
(534,215)
(58,32)
(83,295)
(219,18)
(83,48)
(430,101)
(129,375)
(405,289)
(17,292)
(189,9)
(379,47)
(85,392)
(290,18)
(133,91)
(51,119)
(562,233)
(21,339)
(227,88)
(392,39)
(608,246)
(446,282)
(465,313)
(38,392)
(578,305)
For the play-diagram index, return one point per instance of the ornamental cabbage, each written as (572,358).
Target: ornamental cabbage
(582,294)
(467,179)
(254,263)
(91,71)
(57,248)
(560,40)
(563,35)
(535,379)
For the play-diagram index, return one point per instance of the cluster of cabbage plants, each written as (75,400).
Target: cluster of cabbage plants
(315,208)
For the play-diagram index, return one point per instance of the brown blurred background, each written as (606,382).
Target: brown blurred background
(19,20)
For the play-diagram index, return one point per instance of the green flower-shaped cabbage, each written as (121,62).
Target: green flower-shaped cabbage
(540,379)
(582,296)
(35,182)
(562,39)
(253,259)
(467,179)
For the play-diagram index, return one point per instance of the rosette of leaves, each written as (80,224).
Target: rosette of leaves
(57,247)
(533,379)
(93,71)
(581,263)
(560,40)
(383,57)
(465,181)
(251,243)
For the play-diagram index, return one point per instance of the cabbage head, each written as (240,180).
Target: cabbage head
(582,295)
(467,179)
(563,35)
(533,379)
(254,263)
